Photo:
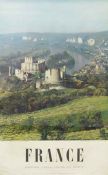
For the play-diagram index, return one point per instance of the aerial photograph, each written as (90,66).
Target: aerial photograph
(53,70)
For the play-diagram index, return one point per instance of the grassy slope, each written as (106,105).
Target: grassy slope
(77,107)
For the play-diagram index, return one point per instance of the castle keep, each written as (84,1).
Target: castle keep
(54,76)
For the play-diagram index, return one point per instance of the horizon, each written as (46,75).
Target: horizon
(73,33)
(52,16)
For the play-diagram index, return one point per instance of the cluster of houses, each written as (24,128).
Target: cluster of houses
(79,40)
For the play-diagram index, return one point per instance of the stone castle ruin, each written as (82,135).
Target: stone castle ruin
(29,67)
(51,77)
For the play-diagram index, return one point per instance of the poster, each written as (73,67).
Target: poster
(53,87)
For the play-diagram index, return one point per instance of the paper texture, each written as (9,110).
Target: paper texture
(13,159)
(53,87)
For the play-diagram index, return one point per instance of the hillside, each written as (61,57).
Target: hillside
(11,126)
(61,59)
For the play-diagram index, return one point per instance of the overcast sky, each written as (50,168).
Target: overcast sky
(53,16)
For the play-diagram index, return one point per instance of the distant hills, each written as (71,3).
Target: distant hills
(27,42)
(14,47)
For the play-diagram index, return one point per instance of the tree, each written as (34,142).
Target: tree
(91,121)
(27,124)
(61,128)
(84,121)
(44,129)
(97,120)
(102,133)
(100,92)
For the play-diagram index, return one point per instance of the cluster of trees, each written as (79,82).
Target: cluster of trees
(57,129)
(96,85)
(69,124)
(61,59)
(97,80)
(92,121)
(28,101)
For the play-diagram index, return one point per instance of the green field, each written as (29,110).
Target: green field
(76,108)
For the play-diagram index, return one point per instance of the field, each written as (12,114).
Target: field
(76,108)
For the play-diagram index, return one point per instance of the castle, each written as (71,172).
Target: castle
(29,67)
(52,76)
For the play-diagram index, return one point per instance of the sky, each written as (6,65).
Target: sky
(60,16)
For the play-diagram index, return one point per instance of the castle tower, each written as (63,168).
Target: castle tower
(52,76)
(62,72)
(29,60)
(10,71)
